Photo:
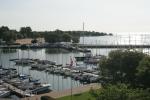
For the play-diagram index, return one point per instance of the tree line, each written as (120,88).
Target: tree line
(10,35)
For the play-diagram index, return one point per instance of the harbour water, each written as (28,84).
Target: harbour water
(57,82)
(117,39)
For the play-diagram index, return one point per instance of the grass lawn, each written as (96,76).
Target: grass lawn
(82,96)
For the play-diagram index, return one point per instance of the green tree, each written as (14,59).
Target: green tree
(52,38)
(143,72)
(122,92)
(3,30)
(75,39)
(66,37)
(120,66)
(114,92)
(7,35)
(57,31)
(36,35)
(26,32)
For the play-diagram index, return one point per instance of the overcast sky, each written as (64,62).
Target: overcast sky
(98,15)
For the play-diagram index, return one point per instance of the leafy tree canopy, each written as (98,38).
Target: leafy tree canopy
(126,66)
(122,92)
(143,72)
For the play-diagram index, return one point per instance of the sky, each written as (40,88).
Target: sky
(98,15)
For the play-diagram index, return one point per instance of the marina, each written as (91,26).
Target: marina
(74,50)
(22,85)
(22,73)
(32,72)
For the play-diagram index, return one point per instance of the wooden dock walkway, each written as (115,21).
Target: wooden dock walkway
(58,94)
(17,91)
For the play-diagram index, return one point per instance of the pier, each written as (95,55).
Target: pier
(79,47)
(112,46)
(17,91)
(51,46)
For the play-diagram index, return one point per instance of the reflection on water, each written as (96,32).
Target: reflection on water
(8,50)
(56,50)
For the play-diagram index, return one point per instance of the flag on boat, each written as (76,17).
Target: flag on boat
(72,62)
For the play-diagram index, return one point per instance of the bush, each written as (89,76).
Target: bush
(122,92)
(46,98)
(93,92)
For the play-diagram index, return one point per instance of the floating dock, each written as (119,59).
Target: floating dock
(112,46)
(17,91)
(80,46)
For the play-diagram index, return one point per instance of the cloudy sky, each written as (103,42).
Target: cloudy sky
(98,15)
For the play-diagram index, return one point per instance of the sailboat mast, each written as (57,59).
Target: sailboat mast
(83,36)
(83,33)
(0,58)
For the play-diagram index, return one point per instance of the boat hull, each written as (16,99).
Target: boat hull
(41,89)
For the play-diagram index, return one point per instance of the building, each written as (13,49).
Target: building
(28,41)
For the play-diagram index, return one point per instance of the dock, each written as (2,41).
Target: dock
(67,92)
(112,46)
(17,91)
(69,48)
(79,47)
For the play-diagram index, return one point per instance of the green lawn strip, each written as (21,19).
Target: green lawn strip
(82,96)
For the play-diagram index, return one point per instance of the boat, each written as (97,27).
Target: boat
(44,62)
(93,59)
(34,66)
(82,58)
(23,76)
(39,67)
(8,73)
(24,61)
(79,58)
(13,59)
(33,80)
(89,78)
(41,88)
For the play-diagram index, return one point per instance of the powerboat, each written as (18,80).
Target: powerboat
(41,88)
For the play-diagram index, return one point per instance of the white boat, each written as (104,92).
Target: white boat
(41,88)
